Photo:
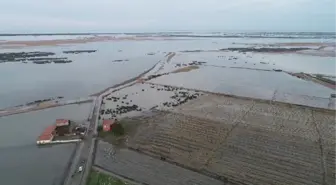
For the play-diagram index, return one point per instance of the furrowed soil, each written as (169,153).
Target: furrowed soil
(243,141)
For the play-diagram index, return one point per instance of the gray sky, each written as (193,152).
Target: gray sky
(22,16)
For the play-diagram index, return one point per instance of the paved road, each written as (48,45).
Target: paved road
(84,152)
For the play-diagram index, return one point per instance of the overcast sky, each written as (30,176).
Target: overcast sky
(38,16)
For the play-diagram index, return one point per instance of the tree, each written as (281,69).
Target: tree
(100,128)
(118,130)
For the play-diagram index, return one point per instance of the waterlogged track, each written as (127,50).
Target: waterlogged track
(40,106)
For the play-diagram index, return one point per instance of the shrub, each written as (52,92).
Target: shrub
(99,128)
(118,129)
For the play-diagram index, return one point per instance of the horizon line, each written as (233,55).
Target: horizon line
(148,32)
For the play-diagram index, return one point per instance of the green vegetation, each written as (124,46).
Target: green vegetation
(118,130)
(97,178)
(100,128)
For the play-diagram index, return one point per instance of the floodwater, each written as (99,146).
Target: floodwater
(300,63)
(87,74)
(21,161)
(92,72)
(251,75)
(231,80)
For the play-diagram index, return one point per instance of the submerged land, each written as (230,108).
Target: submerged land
(179,135)
(38,57)
(200,117)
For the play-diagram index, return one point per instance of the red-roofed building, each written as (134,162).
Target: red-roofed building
(47,135)
(107,124)
(62,127)
(62,122)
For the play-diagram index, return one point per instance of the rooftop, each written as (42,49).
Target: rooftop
(62,122)
(47,133)
(108,122)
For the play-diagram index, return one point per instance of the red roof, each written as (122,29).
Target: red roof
(62,122)
(47,134)
(108,122)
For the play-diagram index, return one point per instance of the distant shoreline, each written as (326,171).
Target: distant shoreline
(51,34)
(196,34)
(12,44)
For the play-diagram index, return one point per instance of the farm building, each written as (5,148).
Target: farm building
(47,135)
(107,125)
(63,131)
(62,127)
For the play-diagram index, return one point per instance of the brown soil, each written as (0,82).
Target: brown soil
(19,44)
(245,141)
(185,69)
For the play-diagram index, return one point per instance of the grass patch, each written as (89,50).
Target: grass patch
(185,69)
(97,178)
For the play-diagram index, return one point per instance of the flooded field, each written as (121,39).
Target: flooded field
(258,141)
(301,63)
(287,61)
(133,100)
(19,154)
(267,85)
(89,73)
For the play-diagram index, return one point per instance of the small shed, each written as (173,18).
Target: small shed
(107,125)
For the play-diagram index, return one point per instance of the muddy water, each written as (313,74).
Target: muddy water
(92,72)
(251,83)
(89,73)
(300,63)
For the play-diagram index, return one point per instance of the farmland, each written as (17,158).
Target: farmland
(244,141)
